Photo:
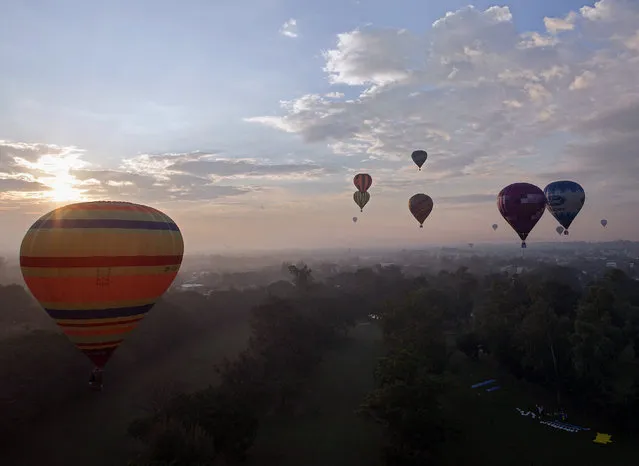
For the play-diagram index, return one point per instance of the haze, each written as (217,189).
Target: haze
(246,121)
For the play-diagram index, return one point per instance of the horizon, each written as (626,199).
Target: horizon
(246,123)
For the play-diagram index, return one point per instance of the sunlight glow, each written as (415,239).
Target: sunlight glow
(62,183)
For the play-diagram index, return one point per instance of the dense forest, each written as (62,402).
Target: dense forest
(574,343)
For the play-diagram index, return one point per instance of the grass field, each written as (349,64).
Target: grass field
(494,433)
(92,431)
(327,432)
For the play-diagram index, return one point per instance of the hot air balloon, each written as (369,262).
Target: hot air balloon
(564,200)
(420,205)
(362,182)
(604,222)
(521,205)
(419,157)
(559,230)
(354,219)
(97,268)
(495,226)
(361,199)
(471,245)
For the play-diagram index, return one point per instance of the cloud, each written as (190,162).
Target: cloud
(468,199)
(37,173)
(289,28)
(483,98)
(16,184)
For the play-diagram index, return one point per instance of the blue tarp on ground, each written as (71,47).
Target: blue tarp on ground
(485,382)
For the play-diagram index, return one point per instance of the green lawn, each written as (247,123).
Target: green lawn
(494,433)
(327,432)
(92,430)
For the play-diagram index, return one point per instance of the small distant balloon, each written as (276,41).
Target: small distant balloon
(420,205)
(361,199)
(521,205)
(362,182)
(559,230)
(495,226)
(564,200)
(419,157)
(471,245)
(604,222)
(354,219)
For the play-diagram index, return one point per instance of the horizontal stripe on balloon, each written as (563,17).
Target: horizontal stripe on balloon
(92,290)
(91,272)
(95,346)
(108,214)
(109,304)
(99,335)
(82,323)
(100,261)
(108,313)
(110,205)
(98,331)
(64,223)
(101,242)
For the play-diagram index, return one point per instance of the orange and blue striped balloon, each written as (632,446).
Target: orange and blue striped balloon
(97,268)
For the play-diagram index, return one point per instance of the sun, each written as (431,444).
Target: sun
(61,183)
(62,190)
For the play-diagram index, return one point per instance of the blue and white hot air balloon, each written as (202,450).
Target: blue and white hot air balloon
(564,201)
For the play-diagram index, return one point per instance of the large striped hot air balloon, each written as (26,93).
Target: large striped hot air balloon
(97,268)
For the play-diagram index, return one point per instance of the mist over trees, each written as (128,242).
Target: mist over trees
(575,340)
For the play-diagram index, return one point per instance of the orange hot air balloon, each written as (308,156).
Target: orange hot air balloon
(97,268)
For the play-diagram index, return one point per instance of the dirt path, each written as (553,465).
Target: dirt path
(92,431)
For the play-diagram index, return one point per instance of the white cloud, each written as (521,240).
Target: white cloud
(557,25)
(289,28)
(480,96)
(43,173)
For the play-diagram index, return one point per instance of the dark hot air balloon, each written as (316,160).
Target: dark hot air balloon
(604,222)
(559,230)
(521,205)
(420,205)
(495,226)
(97,268)
(362,182)
(419,157)
(354,219)
(361,199)
(564,200)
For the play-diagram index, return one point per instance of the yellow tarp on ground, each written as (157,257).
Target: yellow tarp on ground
(603,439)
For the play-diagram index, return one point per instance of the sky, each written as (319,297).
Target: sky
(246,120)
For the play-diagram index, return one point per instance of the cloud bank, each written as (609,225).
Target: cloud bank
(483,98)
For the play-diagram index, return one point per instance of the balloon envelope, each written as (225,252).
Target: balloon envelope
(361,199)
(564,200)
(419,157)
(521,205)
(354,219)
(604,222)
(362,182)
(98,267)
(559,230)
(495,226)
(420,205)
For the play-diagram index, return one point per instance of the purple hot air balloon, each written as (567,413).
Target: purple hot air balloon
(521,205)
